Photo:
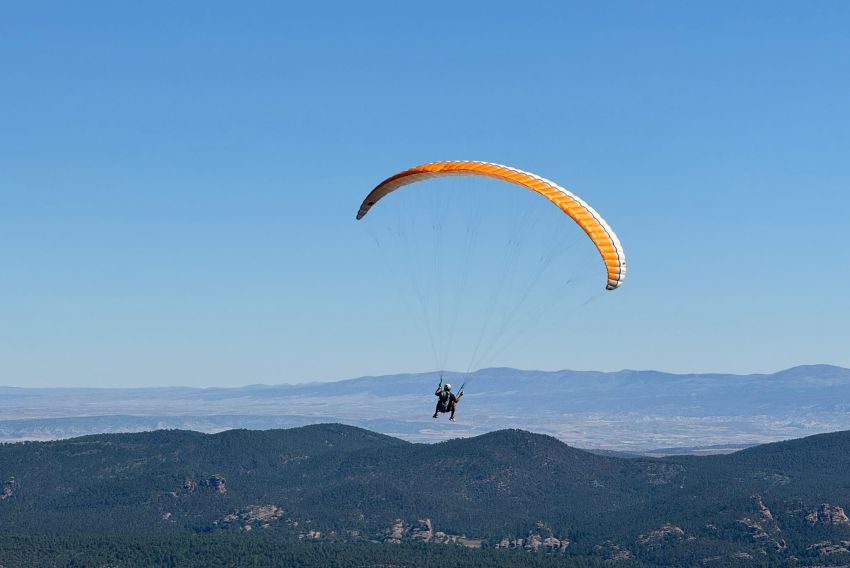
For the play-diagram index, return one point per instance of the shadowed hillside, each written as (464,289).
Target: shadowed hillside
(505,489)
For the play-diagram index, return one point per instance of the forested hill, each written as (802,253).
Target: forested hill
(507,489)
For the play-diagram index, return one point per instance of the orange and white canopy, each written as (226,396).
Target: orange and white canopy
(587,218)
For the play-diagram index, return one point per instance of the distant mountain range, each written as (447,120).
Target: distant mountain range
(627,411)
(774,504)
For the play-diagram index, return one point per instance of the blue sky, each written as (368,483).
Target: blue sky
(178,181)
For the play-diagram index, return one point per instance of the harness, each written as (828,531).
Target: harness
(445,400)
(446,396)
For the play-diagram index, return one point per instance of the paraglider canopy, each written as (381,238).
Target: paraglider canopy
(584,215)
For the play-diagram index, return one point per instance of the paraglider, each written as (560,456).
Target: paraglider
(448,401)
(591,223)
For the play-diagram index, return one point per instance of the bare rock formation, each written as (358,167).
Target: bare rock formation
(763,526)
(8,489)
(246,519)
(827,514)
(827,547)
(540,539)
(665,533)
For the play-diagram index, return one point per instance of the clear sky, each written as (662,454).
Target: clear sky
(178,180)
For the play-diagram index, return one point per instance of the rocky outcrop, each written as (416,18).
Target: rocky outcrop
(443,538)
(423,531)
(395,532)
(763,528)
(214,482)
(827,547)
(765,513)
(262,514)
(246,519)
(217,483)
(540,539)
(8,489)
(827,514)
(666,533)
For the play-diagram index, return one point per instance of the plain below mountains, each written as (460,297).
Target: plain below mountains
(626,411)
(772,504)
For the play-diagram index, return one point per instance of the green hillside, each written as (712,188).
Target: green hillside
(507,489)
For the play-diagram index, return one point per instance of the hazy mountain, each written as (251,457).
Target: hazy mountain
(625,410)
(506,489)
